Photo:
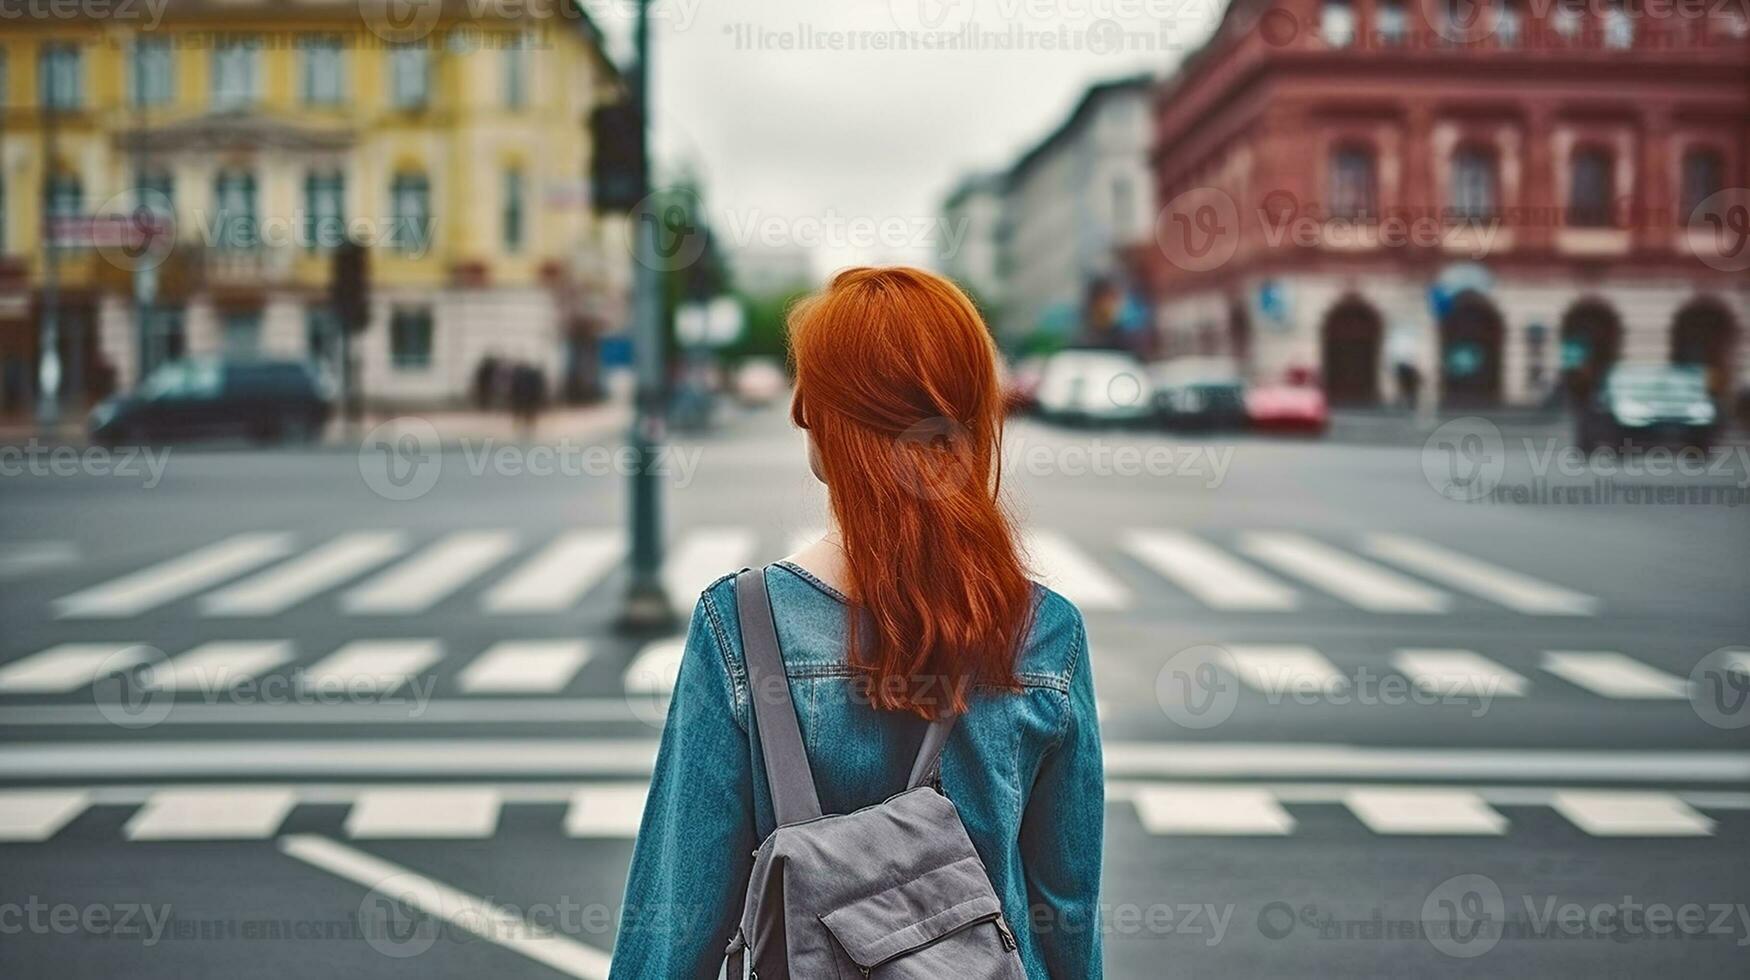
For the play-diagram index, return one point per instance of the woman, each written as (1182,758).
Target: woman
(914,605)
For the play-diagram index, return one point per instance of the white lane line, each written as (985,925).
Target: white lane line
(1634,814)
(1425,811)
(1613,675)
(556,577)
(1211,810)
(1459,674)
(222,665)
(606,810)
(1509,588)
(480,710)
(133,594)
(701,557)
(1299,760)
(37,815)
(461,812)
(422,580)
(656,668)
(284,586)
(372,666)
(68,667)
(475,915)
(1209,573)
(211,813)
(1351,579)
(1069,570)
(1285,669)
(524,666)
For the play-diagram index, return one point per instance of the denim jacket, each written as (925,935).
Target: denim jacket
(1024,770)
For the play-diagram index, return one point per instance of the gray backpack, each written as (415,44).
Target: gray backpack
(890,891)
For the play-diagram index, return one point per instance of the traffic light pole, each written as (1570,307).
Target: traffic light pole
(646,606)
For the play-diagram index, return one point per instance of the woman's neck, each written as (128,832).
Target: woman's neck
(825,560)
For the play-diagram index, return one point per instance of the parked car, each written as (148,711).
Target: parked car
(1642,405)
(1202,394)
(212,398)
(1095,387)
(1296,405)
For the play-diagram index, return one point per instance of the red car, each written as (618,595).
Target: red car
(1295,405)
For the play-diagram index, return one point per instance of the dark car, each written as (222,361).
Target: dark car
(210,398)
(1199,394)
(1641,405)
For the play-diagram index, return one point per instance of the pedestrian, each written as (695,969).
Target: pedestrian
(914,607)
(1409,385)
(527,391)
(485,380)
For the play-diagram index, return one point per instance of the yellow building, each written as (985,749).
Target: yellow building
(456,147)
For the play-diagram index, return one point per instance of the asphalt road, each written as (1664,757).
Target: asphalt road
(1369,710)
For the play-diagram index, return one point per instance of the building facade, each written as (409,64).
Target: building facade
(1509,202)
(260,135)
(970,252)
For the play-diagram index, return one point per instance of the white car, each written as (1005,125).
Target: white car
(760,382)
(1095,386)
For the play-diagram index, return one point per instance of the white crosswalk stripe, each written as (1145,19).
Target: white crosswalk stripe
(424,812)
(1065,568)
(606,810)
(1459,674)
(1349,578)
(1425,811)
(211,813)
(1209,573)
(654,670)
(700,557)
(68,667)
(1215,811)
(553,580)
(1613,675)
(284,586)
(37,815)
(176,578)
(421,581)
(221,665)
(524,667)
(1509,588)
(1280,669)
(372,666)
(1632,814)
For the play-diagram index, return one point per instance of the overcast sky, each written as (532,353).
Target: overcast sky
(850,150)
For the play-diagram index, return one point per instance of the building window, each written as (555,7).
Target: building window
(156,189)
(1589,189)
(1619,27)
(1337,23)
(235,224)
(242,332)
(324,210)
(66,204)
(516,72)
(1393,25)
(324,70)
(1508,23)
(1475,191)
(153,71)
(1704,175)
(1564,20)
(236,72)
(1353,187)
(410,339)
(514,230)
(409,76)
(411,197)
(61,77)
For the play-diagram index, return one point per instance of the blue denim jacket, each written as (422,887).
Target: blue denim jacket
(1023,769)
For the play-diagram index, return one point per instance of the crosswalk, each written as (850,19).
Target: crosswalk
(382,573)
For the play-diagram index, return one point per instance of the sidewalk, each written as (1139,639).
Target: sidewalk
(1395,427)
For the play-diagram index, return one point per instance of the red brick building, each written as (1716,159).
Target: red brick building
(1504,194)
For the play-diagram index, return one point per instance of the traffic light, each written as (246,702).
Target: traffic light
(350,286)
(616,157)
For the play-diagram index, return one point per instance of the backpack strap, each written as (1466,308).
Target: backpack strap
(787,772)
(927,768)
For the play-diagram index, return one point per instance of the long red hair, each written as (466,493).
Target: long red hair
(896,380)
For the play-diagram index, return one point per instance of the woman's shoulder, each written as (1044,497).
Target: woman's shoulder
(1055,643)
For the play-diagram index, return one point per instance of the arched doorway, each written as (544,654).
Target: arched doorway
(1349,353)
(1470,353)
(1591,343)
(1702,335)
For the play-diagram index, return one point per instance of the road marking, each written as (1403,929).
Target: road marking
(1211,810)
(475,915)
(423,580)
(372,666)
(284,586)
(211,813)
(701,557)
(1425,811)
(1209,573)
(37,815)
(68,667)
(1613,675)
(1637,814)
(1351,579)
(133,594)
(424,813)
(554,579)
(656,668)
(524,666)
(606,810)
(1299,760)
(1507,587)
(1066,568)
(221,665)
(1285,669)
(450,711)
(22,558)
(1459,674)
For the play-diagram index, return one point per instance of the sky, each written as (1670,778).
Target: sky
(807,133)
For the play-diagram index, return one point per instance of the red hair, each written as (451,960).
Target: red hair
(896,380)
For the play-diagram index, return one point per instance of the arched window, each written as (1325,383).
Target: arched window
(1704,173)
(1589,188)
(1354,187)
(411,199)
(1475,187)
(1337,23)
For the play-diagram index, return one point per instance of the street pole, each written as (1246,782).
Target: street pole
(48,404)
(646,605)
